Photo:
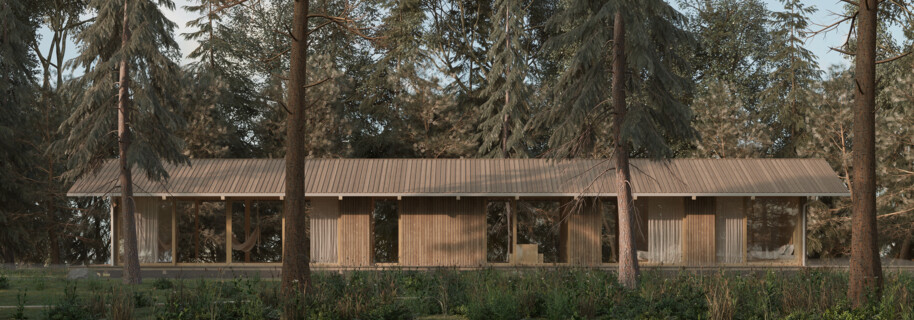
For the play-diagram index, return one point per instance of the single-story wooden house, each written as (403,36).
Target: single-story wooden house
(367,213)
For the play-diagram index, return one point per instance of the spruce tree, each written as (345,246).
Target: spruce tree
(17,94)
(641,41)
(788,97)
(506,110)
(129,43)
(223,103)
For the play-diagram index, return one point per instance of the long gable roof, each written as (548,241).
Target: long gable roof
(479,177)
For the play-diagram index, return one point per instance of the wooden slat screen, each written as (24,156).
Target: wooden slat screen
(698,232)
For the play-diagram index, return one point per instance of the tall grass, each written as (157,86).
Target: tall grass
(572,293)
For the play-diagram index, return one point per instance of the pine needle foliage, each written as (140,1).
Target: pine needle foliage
(787,99)
(507,91)
(655,37)
(223,101)
(155,89)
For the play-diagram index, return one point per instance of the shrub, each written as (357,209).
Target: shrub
(162,284)
(4,282)
(70,307)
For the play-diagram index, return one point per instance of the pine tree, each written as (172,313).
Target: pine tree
(638,40)
(130,43)
(505,112)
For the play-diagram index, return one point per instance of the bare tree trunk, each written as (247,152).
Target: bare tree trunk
(131,258)
(865,266)
(54,244)
(504,125)
(905,252)
(296,273)
(628,259)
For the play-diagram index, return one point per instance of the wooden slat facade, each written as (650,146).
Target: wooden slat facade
(583,234)
(354,232)
(442,232)
(698,245)
(445,231)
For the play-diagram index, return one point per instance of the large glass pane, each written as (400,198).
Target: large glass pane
(211,230)
(385,236)
(772,225)
(498,231)
(188,237)
(610,234)
(257,231)
(539,223)
(201,231)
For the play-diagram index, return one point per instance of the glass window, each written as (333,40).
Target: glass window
(540,223)
(772,224)
(201,228)
(257,231)
(610,231)
(385,224)
(498,231)
(188,238)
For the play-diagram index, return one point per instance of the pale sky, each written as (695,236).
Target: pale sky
(819,45)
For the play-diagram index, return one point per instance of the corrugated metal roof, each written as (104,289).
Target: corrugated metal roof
(480,177)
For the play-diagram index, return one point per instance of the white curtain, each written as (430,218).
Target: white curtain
(665,230)
(147,229)
(731,227)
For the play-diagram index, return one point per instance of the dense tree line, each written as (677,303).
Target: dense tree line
(435,79)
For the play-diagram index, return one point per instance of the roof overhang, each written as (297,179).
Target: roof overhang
(490,195)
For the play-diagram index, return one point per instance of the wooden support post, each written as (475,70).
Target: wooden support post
(803,202)
(228,230)
(747,209)
(114,232)
(197,231)
(247,227)
(174,232)
(512,213)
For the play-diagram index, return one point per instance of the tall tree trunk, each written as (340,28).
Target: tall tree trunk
(131,258)
(865,266)
(628,259)
(296,273)
(54,243)
(504,125)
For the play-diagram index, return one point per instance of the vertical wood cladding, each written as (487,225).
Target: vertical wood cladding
(354,232)
(698,246)
(582,239)
(442,231)
(325,213)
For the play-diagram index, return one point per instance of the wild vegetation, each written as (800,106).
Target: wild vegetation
(452,294)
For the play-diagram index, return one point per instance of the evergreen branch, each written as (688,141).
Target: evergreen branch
(316,83)
(894,58)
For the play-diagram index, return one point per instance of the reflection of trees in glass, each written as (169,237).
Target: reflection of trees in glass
(212,231)
(201,235)
(268,216)
(539,222)
(166,249)
(610,233)
(771,225)
(188,243)
(385,226)
(498,234)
